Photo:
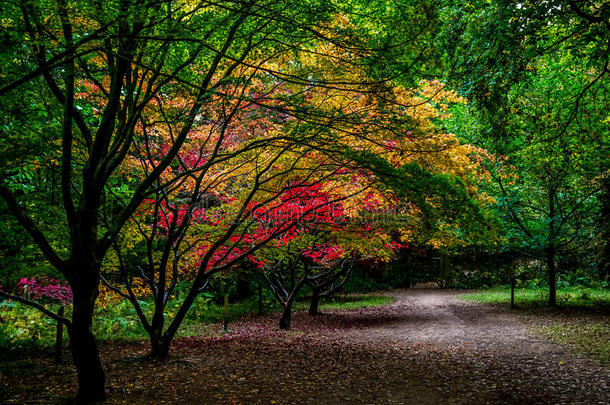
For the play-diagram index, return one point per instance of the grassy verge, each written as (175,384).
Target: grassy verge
(349,302)
(589,335)
(26,329)
(581,320)
(574,297)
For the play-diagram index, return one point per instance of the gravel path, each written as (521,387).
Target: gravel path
(427,347)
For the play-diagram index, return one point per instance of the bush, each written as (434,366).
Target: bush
(25,328)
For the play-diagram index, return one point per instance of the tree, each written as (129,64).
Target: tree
(496,50)
(490,45)
(295,257)
(550,177)
(135,59)
(270,137)
(330,275)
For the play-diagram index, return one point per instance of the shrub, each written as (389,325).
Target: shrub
(45,289)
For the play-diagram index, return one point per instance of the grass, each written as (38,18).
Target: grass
(349,302)
(28,330)
(581,319)
(575,297)
(199,320)
(586,335)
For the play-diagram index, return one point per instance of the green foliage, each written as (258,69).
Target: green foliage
(476,279)
(24,328)
(358,284)
(351,301)
(118,321)
(490,46)
(414,183)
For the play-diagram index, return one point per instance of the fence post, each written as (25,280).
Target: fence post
(512,292)
(260,298)
(59,337)
(226,320)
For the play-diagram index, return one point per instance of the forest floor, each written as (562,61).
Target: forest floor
(427,347)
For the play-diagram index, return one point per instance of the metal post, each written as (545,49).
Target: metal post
(226,317)
(512,292)
(260,298)
(59,336)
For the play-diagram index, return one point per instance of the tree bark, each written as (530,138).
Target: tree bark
(162,342)
(286,316)
(550,251)
(91,377)
(550,260)
(314,304)
(260,298)
(159,347)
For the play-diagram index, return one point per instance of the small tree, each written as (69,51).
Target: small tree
(326,280)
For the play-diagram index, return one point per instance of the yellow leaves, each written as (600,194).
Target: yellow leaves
(436,243)
(341,20)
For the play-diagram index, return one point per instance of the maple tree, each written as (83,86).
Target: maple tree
(239,163)
(288,261)
(133,61)
(200,227)
(176,112)
(213,204)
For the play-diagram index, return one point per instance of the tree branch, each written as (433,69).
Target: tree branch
(31,228)
(39,307)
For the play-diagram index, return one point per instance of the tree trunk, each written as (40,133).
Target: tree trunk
(91,378)
(550,260)
(226,315)
(550,251)
(159,344)
(286,316)
(260,298)
(604,262)
(314,304)
(159,347)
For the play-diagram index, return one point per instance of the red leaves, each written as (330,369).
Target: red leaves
(396,246)
(45,287)
(298,209)
(302,206)
(324,253)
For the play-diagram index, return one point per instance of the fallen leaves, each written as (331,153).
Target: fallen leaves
(426,347)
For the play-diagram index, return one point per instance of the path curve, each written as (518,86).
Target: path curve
(427,347)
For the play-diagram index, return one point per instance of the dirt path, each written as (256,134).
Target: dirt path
(437,317)
(425,348)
